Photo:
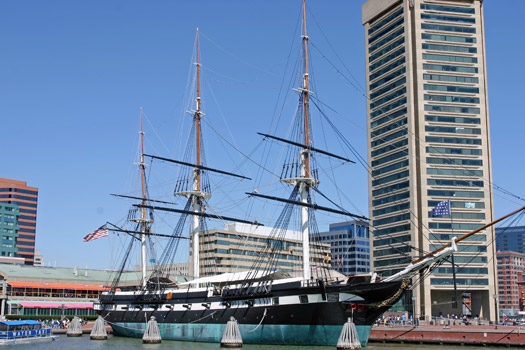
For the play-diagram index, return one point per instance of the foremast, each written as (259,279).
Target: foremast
(143,221)
(305,181)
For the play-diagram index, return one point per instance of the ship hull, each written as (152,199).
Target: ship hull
(287,314)
(264,334)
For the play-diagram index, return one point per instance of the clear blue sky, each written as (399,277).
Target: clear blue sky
(74,74)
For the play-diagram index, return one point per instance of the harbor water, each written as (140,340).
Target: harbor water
(118,343)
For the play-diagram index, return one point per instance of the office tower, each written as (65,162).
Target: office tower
(239,246)
(511,238)
(26,198)
(349,247)
(511,266)
(428,138)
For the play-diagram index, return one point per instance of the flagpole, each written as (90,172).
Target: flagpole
(455,298)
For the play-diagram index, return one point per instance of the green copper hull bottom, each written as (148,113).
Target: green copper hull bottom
(251,334)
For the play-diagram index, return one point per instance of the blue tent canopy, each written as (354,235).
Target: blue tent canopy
(20,323)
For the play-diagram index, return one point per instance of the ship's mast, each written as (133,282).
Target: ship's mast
(305,181)
(144,222)
(197,195)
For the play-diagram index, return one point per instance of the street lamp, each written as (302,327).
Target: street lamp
(414,298)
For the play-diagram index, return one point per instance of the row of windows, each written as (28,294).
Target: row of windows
(451,129)
(391,230)
(453,78)
(465,247)
(390,167)
(388,97)
(470,259)
(27,211)
(449,58)
(446,68)
(388,128)
(463,270)
(449,193)
(390,147)
(451,88)
(453,109)
(447,18)
(448,237)
(28,230)
(390,178)
(388,88)
(386,39)
(392,198)
(460,281)
(18,196)
(390,188)
(384,31)
(456,226)
(454,161)
(385,20)
(468,216)
(391,209)
(447,119)
(450,98)
(391,240)
(386,49)
(387,58)
(448,28)
(461,151)
(453,38)
(451,48)
(460,183)
(446,8)
(395,261)
(387,78)
(387,68)
(390,157)
(19,190)
(456,140)
(389,137)
(23,204)
(388,117)
(454,172)
(393,250)
(391,219)
(456,204)
(402,101)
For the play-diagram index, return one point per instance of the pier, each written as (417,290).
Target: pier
(489,335)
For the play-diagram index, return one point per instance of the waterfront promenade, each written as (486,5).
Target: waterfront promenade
(487,335)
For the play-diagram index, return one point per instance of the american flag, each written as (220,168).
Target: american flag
(99,232)
(442,208)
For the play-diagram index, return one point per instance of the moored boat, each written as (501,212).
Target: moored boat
(23,332)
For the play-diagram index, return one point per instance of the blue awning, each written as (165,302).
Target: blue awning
(20,323)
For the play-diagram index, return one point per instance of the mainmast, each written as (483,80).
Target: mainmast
(196,199)
(305,181)
(196,195)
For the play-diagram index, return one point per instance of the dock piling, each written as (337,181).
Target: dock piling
(349,339)
(99,331)
(232,335)
(152,332)
(75,328)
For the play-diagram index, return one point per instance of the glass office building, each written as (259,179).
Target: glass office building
(349,247)
(26,198)
(428,141)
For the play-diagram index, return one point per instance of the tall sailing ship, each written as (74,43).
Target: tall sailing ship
(271,306)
